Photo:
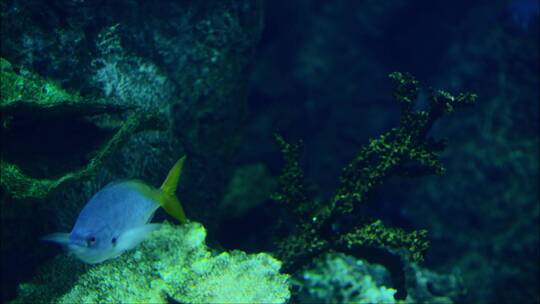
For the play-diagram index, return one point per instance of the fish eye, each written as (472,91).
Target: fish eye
(90,241)
(113,241)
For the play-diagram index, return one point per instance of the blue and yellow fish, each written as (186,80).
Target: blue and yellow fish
(117,218)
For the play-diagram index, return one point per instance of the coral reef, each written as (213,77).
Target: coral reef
(320,68)
(403,151)
(173,264)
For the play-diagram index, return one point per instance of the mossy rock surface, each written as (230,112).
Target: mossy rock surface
(51,136)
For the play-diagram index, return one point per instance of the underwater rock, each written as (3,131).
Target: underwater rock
(210,59)
(427,286)
(249,187)
(173,264)
(39,118)
(339,278)
(191,57)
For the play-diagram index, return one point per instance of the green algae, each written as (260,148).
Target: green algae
(27,99)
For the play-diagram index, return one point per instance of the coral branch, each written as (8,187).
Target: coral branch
(402,151)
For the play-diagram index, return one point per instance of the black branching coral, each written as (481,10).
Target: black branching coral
(403,151)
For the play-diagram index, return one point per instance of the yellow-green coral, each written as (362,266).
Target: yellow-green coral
(377,235)
(173,263)
(403,151)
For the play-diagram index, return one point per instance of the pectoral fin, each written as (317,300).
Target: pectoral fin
(58,238)
(133,237)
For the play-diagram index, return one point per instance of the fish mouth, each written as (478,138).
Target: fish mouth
(76,248)
(87,255)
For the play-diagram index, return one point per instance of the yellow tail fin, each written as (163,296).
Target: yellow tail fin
(169,201)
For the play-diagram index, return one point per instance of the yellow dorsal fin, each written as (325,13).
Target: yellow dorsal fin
(169,201)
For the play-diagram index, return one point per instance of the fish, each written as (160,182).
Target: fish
(117,217)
